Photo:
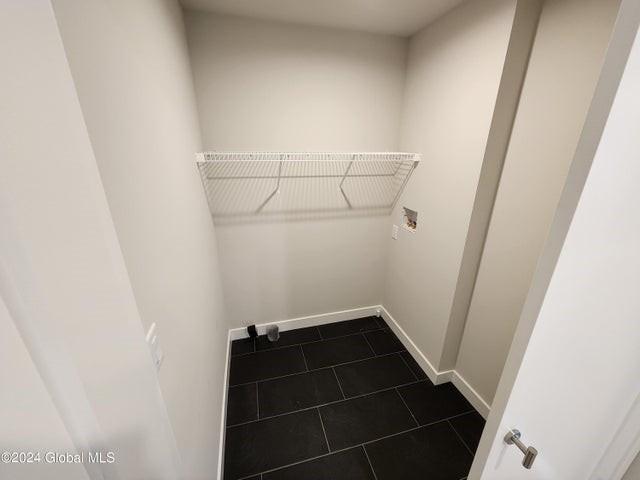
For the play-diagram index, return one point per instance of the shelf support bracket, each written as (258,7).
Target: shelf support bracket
(344,176)
(275,191)
(404,182)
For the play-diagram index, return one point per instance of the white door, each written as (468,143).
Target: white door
(573,373)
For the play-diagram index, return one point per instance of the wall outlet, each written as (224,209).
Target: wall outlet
(394,232)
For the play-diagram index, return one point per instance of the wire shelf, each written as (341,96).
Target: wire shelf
(259,183)
(306,156)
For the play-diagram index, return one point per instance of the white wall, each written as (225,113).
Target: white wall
(279,87)
(564,67)
(30,421)
(454,70)
(131,69)
(62,276)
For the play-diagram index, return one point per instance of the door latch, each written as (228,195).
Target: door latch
(530,453)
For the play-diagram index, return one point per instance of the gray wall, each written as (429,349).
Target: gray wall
(131,69)
(72,342)
(564,67)
(279,87)
(454,70)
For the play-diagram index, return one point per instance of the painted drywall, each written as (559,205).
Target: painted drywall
(588,272)
(62,275)
(398,17)
(30,421)
(515,66)
(278,87)
(131,69)
(633,473)
(564,67)
(454,70)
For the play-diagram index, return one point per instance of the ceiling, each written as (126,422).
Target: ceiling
(397,17)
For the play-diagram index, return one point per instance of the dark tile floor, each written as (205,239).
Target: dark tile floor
(342,401)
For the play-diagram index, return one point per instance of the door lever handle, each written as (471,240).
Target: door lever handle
(530,453)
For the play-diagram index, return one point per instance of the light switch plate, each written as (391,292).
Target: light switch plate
(394,232)
(153,341)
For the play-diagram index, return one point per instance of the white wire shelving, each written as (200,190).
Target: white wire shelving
(364,180)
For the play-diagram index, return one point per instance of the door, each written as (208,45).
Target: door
(573,373)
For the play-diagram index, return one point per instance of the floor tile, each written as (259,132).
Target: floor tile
(430,403)
(290,337)
(373,374)
(469,427)
(295,392)
(242,404)
(244,345)
(255,447)
(384,341)
(413,365)
(434,452)
(365,418)
(382,323)
(335,351)
(264,365)
(347,465)
(348,327)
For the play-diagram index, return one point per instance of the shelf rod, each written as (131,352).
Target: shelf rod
(273,177)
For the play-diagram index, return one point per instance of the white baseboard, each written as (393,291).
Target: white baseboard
(309,321)
(471,395)
(437,377)
(433,374)
(223,419)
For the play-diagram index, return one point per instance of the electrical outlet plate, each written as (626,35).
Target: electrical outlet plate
(394,232)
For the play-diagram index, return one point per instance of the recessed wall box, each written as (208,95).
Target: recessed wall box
(409,219)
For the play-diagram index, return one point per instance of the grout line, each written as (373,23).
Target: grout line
(317,407)
(349,447)
(324,431)
(330,403)
(317,457)
(413,428)
(407,406)
(368,343)
(314,369)
(408,366)
(303,343)
(461,439)
(299,462)
(347,399)
(304,358)
(257,402)
(370,464)
(338,380)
